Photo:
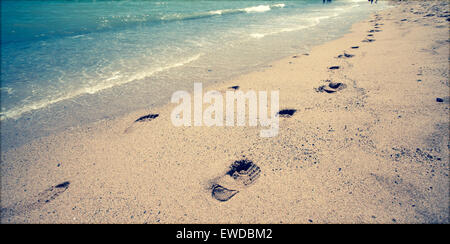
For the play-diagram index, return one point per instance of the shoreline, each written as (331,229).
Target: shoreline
(159,173)
(76,113)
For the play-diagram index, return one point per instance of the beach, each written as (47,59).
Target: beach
(367,141)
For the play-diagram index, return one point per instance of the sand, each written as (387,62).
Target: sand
(375,151)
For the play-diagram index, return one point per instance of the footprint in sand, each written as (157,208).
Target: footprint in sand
(142,119)
(355,47)
(368,40)
(286,113)
(147,117)
(233,87)
(35,202)
(331,87)
(345,55)
(241,174)
(334,67)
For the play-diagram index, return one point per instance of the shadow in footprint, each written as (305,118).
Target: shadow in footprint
(355,47)
(147,117)
(142,119)
(334,67)
(234,87)
(287,113)
(244,171)
(222,194)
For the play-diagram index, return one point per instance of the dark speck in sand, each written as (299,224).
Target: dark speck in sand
(294,56)
(355,47)
(234,87)
(147,117)
(310,220)
(439,100)
(287,112)
(404,20)
(334,67)
(63,185)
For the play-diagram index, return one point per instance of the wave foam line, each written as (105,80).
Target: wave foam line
(17,112)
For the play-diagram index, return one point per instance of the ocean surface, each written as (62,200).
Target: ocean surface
(69,63)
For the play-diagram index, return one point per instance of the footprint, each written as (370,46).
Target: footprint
(355,47)
(241,174)
(147,117)
(286,113)
(346,55)
(331,87)
(334,67)
(142,119)
(233,87)
(368,40)
(370,35)
(35,202)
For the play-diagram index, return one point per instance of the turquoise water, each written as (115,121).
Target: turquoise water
(65,63)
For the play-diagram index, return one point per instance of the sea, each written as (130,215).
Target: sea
(66,64)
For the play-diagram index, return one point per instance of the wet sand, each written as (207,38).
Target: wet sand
(365,139)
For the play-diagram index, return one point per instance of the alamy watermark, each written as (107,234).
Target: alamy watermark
(190,111)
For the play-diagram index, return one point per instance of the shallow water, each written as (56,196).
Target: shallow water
(68,63)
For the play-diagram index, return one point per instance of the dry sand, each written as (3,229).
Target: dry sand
(376,151)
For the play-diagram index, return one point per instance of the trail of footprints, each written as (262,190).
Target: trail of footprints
(332,86)
(244,173)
